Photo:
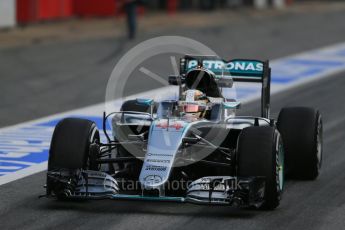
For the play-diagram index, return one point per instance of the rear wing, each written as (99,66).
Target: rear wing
(241,70)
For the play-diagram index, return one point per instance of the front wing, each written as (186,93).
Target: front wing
(215,190)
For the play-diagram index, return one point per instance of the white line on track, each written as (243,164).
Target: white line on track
(8,177)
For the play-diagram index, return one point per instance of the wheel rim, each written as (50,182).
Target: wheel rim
(94,138)
(280,167)
(319,143)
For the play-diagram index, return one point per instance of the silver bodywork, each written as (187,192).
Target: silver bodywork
(164,142)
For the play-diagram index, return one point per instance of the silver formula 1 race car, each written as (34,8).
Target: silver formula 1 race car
(190,149)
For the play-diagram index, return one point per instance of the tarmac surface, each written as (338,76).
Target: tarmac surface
(43,79)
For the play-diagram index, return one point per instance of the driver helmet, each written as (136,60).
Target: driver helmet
(193,104)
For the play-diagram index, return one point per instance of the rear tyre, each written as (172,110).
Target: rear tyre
(70,146)
(301,130)
(260,153)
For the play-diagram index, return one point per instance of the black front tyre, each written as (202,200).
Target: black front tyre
(260,153)
(301,130)
(70,146)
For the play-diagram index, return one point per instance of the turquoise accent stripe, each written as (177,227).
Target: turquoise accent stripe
(147,198)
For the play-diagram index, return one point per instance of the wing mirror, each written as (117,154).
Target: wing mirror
(190,140)
(174,80)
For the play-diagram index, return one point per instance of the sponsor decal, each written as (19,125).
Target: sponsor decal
(158,161)
(215,66)
(172,125)
(155,168)
(160,155)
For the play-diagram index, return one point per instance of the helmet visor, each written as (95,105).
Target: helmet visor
(191,108)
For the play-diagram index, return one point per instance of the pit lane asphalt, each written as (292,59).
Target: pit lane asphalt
(306,205)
